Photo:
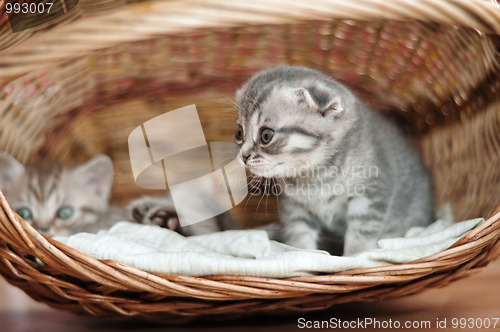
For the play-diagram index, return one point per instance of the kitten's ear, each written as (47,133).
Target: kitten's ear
(97,174)
(10,169)
(320,101)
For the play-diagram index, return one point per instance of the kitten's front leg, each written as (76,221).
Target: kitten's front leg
(300,234)
(361,235)
(298,231)
(365,225)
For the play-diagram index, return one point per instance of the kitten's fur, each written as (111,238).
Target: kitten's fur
(321,126)
(46,187)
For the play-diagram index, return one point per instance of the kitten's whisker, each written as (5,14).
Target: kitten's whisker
(267,196)
(229,101)
(235,108)
(254,186)
(254,182)
(277,193)
(234,168)
(246,185)
(260,200)
(224,100)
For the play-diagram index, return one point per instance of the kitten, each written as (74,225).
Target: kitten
(61,200)
(348,176)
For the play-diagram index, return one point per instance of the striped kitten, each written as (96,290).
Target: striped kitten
(61,200)
(348,177)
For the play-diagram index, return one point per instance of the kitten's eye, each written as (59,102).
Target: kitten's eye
(266,135)
(238,135)
(25,213)
(65,212)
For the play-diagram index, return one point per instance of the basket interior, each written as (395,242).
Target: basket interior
(437,82)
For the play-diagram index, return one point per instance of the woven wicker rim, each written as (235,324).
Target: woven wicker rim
(20,235)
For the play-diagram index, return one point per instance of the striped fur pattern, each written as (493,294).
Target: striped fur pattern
(58,199)
(347,177)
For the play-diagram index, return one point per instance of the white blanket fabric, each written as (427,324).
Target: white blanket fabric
(250,252)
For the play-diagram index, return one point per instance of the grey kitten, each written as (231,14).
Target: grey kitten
(349,178)
(61,200)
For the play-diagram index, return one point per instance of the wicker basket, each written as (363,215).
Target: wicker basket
(77,87)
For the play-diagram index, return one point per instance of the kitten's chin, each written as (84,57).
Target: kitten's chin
(278,170)
(264,171)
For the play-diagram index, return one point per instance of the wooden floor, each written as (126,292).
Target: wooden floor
(476,297)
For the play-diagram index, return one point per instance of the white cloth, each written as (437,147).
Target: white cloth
(250,252)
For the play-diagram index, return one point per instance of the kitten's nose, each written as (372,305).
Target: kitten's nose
(45,230)
(245,157)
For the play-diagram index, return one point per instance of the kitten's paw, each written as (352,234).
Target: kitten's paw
(157,216)
(154,211)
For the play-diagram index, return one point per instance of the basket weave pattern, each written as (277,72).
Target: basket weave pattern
(78,87)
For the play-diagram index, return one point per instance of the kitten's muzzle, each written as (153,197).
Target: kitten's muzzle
(245,158)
